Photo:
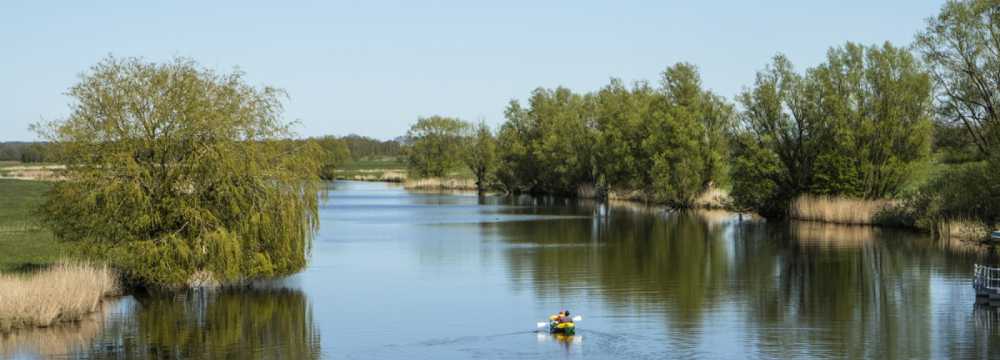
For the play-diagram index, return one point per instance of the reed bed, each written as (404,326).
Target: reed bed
(63,292)
(440,184)
(838,210)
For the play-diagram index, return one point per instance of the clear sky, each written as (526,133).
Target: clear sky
(373,67)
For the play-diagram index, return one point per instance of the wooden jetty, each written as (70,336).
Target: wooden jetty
(986,281)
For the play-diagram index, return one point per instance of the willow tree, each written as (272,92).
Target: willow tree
(175,172)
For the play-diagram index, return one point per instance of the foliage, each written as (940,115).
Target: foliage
(546,146)
(434,146)
(335,154)
(363,147)
(481,155)
(26,152)
(173,169)
(967,191)
(856,125)
(669,143)
(962,48)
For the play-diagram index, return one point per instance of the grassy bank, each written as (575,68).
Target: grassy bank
(61,293)
(24,243)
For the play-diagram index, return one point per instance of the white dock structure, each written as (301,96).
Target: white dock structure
(986,281)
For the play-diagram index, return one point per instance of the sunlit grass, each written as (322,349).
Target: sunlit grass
(24,243)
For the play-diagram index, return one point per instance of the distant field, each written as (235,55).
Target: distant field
(385,163)
(24,244)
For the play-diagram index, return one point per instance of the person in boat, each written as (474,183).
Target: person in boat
(564,317)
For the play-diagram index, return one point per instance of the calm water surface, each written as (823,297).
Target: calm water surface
(402,275)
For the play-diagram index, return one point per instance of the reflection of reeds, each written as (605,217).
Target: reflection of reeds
(440,184)
(832,235)
(837,210)
(962,229)
(52,341)
(64,292)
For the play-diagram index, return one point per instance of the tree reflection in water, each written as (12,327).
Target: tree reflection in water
(861,291)
(244,323)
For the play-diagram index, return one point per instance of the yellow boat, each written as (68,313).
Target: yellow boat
(556,327)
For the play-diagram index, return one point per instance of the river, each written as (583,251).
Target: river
(404,275)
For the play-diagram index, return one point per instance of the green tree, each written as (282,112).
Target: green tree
(335,153)
(546,146)
(686,138)
(855,125)
(434,146)
(962,48)
(481,155)
(174,170)
(621,114)
(877,109)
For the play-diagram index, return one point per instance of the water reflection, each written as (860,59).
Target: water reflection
(854,291)
(467,277)
(250,323)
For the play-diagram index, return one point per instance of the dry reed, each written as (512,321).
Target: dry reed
(837,210)
(440,184)
(63,292)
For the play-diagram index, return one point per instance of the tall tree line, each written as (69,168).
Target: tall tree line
(858,125)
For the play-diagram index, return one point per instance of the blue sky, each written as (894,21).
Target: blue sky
(373,67)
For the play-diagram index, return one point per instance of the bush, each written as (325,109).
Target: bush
(968,191)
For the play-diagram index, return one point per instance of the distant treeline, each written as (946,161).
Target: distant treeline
(29,152)
(861,125)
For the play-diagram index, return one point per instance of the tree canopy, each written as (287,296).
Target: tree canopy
(962,48)
(434,146)
(174,170)
(854,126)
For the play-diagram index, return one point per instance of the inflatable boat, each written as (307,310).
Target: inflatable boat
(566,328)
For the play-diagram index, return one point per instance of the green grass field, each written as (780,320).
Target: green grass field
(384,163)
(24,244)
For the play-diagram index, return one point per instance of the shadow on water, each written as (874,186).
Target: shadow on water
(245,323)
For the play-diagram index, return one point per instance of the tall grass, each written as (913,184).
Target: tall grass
(838,210)
(63,292)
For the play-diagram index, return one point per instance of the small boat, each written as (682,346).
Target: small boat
(566,328)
